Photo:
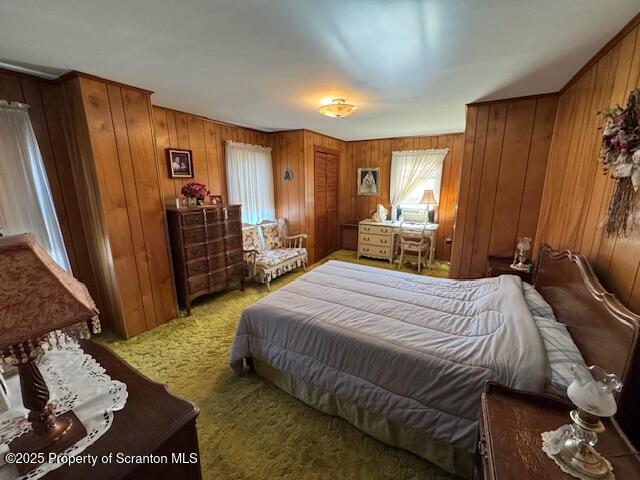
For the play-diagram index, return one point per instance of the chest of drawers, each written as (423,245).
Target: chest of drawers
(375,240)
(206,246)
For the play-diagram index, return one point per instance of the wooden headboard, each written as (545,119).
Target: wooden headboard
(605,331)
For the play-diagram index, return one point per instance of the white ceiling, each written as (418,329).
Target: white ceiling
(410,65)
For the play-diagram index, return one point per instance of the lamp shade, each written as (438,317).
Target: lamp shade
(428,198)
(37,295)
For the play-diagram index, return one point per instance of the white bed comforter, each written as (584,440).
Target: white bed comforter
(414,349)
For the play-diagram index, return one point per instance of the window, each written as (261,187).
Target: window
(250,181)
(26,203)
(433,183)
(414,172)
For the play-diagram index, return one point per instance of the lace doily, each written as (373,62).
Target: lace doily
(76,382)
(549,446)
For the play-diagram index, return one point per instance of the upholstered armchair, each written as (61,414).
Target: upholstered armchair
(269,253)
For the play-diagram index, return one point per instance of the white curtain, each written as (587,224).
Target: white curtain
(412,170)
(26,204)
(250,180)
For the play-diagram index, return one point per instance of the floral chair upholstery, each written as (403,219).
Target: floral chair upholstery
(269,253)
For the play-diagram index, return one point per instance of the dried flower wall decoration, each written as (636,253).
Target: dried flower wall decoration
(620,156)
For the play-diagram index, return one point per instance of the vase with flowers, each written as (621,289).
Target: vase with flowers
(195,192)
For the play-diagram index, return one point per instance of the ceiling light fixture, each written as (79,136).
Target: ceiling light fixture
(338,108)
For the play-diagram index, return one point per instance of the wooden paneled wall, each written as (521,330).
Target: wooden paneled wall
(206,139)
(377,153)
(43,98)
(505,157)
(576,194)
(288,154)
(110,135)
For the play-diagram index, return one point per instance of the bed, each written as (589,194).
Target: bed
(405,358)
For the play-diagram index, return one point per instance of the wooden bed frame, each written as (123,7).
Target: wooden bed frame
(605,331)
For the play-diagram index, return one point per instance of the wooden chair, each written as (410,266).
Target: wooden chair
(414,241)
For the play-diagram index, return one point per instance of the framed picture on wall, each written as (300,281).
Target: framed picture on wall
(368,179)
(180,163)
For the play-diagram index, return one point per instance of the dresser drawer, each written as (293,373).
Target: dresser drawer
(379,240)
(384,252)
(234,242)
(217,262)
(232,213)
(214,215)
(232,228)
(218,280)
(193,235)
(234,257)
(234,271)
(376,229)
(197,268)
(191,219)
(195,251)
(198,284)
(215,231)
(216,246)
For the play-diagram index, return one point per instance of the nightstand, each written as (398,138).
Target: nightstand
(502,266)
(511,422)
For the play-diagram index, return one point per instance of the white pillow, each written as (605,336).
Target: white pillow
(562,353)
(536,303)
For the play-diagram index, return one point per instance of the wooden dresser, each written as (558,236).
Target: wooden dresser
(206,243)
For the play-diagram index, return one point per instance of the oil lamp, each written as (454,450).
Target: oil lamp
(572,447)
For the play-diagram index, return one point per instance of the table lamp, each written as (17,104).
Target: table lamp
(36,298)
(520,257)
(428,198)
(573,446)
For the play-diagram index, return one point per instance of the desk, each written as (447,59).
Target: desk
(152,422)
(379,240)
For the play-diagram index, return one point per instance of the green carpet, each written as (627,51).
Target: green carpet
(247,428)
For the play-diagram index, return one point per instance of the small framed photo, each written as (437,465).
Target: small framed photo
(215,199)
(368,179)
(180,164)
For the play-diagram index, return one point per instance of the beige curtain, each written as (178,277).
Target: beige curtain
(411,169)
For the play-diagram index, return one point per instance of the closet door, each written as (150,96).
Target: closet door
(326,204)
(320,204)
